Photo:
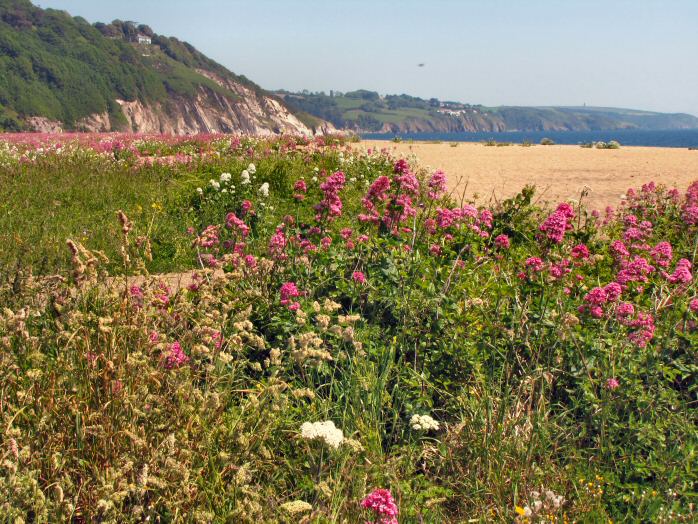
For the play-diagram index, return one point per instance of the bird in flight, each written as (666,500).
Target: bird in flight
(421,64)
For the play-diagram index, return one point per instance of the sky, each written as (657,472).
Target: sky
(640,54)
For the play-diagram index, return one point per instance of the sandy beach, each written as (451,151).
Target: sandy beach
(560,172)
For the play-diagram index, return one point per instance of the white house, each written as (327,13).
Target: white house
(143,39)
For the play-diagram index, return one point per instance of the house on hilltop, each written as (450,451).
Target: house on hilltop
(143,39)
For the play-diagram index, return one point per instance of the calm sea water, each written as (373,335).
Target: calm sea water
(627,137)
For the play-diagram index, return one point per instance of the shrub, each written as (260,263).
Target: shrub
(547,142)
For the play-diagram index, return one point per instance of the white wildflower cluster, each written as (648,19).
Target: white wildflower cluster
(423,423)
(325,431)
(225,178)
(544,503)
(215,184)
(264,189)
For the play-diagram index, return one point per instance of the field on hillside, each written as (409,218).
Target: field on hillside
(354,343)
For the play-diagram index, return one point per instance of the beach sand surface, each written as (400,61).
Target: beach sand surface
(559,172)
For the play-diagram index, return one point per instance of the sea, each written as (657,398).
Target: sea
(629,137)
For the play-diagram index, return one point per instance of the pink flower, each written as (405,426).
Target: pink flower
(644,323)
(176,357)
(401,167)
(682,273)
(231,220)
(557,223)
(437,184)
(435,249)
(277,243)
(619,250)
(613,291)
(246,207)
(662,254)
(300,188)
(502,241)
(693,305)
(346,233)
(612,384)
(580,251)
(288,291)
(381,503)
(534,264)
(326,242)
(624,311)
(358,277)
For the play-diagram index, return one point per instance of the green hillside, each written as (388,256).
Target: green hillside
(368,111)
(63,68)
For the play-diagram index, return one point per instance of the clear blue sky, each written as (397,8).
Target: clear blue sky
(628,53)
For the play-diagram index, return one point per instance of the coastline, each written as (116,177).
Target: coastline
(560,172)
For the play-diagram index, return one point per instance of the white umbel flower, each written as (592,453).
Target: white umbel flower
(423,423)
(214,184)
(252,169)
(325,431)
(264,189)
(225,178)
(245,177)
(199,191)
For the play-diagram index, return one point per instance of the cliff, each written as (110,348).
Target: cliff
(61,73)
(367,111)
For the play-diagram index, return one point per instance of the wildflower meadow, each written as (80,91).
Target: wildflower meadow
(231,329)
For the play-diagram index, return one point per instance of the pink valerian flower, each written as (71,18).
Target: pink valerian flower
(594,300)
(624,311)
(401,167)
(288,291)
(382,504)
(358,277)
(619,250)
(378,190)
(136,293)
(635,270)
(437,184)
(362,239)
(232,221)
(682,273)
(580,252)
(644,325)
(346,233)
(613,291)
(300,187)
(408,183)
(560,269)
(485,218)
(445,218)
(331,204)
(612,384)
(690,215)
(176,357)
(277,244)
(250,261)
(153,337)
(246,207)
(662,254)
(435,249)
(209,237)
(502,241)
(326,242)
(534,264)
(557,223)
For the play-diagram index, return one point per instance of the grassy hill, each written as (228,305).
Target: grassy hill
(368,111)
(65,69)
